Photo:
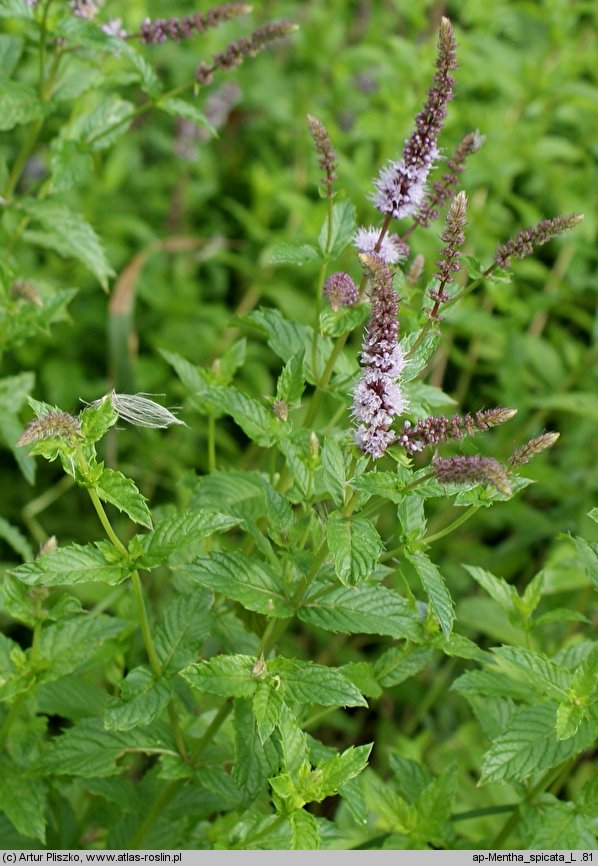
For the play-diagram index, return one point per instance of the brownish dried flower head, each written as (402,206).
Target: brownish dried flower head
(51,424)
(523,243)
(246,46)
(465,470)
(534,446)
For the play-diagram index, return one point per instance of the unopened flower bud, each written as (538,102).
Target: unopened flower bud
(26,291)
(340,290)
(51,424)
(534,446)
(280,408)
(479,470)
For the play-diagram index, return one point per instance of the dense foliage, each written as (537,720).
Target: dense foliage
(344,594)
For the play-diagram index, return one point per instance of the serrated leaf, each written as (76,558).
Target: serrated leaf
(254,584)
(362,610)
(497,588)
(355,547)
(74,564)
(569,717)
(491,683)
(186,110)
(387,485)
(122,492)
(23,800)
(308,683)
(143,697)
(15,9)
(267,705)
(588,558)
(435,588)
(341,230)
(414,364)
(411,778)
(71,644)
(225,675)
(529,744)
(184,626)
(291,382)
(254,419)
(433,809)
(292,254)
(293,741)
(337,771)
(552,824)
(15,539)
(254,762)
(536,669)
(19,103)
(68,234)
(334,470)
(335,323)
(178,532)
(305,833)
(88,750)
(11,48)
(70,166)
(398,663)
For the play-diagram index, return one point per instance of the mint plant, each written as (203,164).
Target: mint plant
(191,676)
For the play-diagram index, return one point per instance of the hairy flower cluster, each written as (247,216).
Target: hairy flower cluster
(138,410)
(431,431)
(400,186)
(442,189)
(325,150)
(340,290)
(246,46)
(530,449)
(523,243)
(448,263)
(390,248)
(465,470)
(158,30)
(377,398)
(50,424)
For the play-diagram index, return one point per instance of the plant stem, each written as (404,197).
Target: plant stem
(211,443)
(506,830)
(473,509)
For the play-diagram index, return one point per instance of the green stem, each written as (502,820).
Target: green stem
(314,406)
(473,509)
(11,717)
(506,830)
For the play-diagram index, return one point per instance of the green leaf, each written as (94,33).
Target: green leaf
(115,488)
(228,676)
(411,778)
(97,419)
(267,705)
(88,750)
(362,610)
(355,547)
(11,48)
(74,564)
(15,9)
(23,800)
(433,809)
(254,762)
(398,663)
(387,485)
(435,588)
(335,462)
(19,103)
(337,771)
(291,383)
(497,588)
(530,745)
(342,229)
(68,234)
(186,110)
(588,558)
(14,391)
(293,741)
(71,644)
(69,164)
(254,584)
(552,824)
(308,683)
(335,323)
(305,833)
(143,697)
(537,670)
(176,533)
(15,539)
(254,419)
(184,626)
(292,254)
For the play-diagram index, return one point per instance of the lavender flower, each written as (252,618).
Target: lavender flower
(246,46)
(325,150)
(465,470)
(340,290)
(400,187)
(534,446)
(431,431)
(442,189)
(154,32)
(523,243)
(50,424)
(391,248)
(114,28)
(86,8)
(377,397)
(448,263)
